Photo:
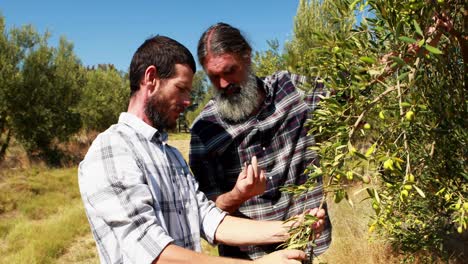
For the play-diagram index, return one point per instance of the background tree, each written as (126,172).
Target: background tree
(200,95)
(105,96)
(42,103)
(396,120)
(9,73)
(265,63)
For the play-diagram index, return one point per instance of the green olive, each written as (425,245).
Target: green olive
(409,115)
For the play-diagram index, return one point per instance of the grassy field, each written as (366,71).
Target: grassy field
(42,221)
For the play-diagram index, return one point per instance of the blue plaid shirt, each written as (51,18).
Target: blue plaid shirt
(278,137)
(139,195)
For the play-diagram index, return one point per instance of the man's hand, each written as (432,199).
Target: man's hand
(282,256)
(318,226)
(251,181)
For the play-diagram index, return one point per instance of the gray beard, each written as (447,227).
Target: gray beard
(237,107)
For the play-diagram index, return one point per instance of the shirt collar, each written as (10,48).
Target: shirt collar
(267,88)
(143,128)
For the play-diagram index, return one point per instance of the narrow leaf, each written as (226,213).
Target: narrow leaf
(407,39)
(367,60)
(419,191)
(433,49)
(403,76)
(377,197)
(398,60)
(405,104)
(418,28)
(359,155)
(421,42)
(370,150)
(353,5)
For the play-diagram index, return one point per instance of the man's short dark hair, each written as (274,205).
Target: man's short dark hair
(162,52)
(222,38)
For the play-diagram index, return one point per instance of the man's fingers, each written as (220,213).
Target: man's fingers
(250,175)
(318,213)
(313,211)
(319,225)
(262,177)
(255,168)
(243,173)
(294,254)
(321,213)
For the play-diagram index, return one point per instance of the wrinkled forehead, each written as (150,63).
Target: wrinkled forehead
(222,61)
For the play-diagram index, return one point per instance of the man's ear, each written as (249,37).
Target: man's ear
(151,80)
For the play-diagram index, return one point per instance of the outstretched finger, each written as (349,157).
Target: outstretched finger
(250,175)
(262,177)
(255,168)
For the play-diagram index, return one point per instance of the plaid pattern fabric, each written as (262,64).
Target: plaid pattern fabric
(277,136)
(139,195)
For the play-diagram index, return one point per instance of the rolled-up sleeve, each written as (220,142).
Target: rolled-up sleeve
(119,203)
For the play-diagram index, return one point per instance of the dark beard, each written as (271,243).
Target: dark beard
(242,103)
(156,111)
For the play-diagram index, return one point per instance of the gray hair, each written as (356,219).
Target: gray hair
(222,38)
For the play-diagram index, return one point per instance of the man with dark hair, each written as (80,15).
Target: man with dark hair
(141,199)
(248,117)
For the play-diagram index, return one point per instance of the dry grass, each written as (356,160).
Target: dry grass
(40,214)
(350,239)
(81,251)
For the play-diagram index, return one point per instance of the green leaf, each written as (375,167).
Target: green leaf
(433,49)
(465,175)
(377,198)
(419,191)
(407,39)
(339,156)
(360,155)
(398,60)
(353,5)
(370,150)
(403,76)
(367,60)
(421,42)
(405,104)
(418,28)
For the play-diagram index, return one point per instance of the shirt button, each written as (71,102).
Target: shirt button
(270,178)
(263,148)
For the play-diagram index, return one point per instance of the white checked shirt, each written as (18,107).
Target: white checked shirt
(140,195)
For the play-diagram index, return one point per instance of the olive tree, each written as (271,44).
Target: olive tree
(105,96)
(43,100)
(395,121)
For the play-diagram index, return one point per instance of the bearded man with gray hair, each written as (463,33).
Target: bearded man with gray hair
(253,117)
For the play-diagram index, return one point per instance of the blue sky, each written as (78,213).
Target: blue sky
(110,31)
